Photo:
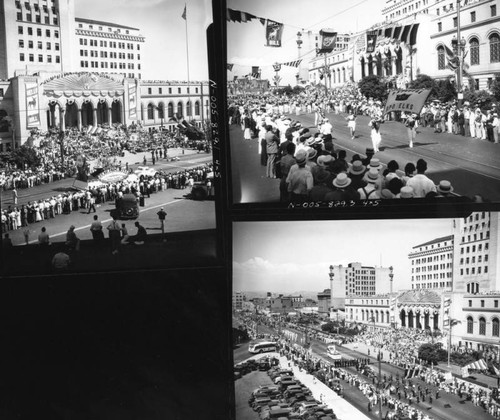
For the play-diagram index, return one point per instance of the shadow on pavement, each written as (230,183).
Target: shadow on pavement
(180,249)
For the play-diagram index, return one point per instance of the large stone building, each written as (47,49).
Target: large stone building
(60,71)
(432,264)
(357,280)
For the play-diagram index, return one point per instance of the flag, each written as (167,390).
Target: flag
(229,66)
(274,30)
(452,58)
(295,63)
(497,372)
(184,13)
(328,40)
(255,71)
(411,100)
(239,16)
(371,41)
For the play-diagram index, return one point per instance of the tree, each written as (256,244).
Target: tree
(423,81)
(25,157)
(373,87)
(431,353)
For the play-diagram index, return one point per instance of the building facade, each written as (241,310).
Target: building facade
(238,299)
(432,264)
(372,311)
(60,71)
(357,280)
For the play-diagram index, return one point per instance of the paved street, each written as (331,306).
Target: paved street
(471,165)
(448,406)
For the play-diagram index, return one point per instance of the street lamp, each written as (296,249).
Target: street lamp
(460,53)
(453,322)
(299,46)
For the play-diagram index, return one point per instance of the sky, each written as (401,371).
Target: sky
(246,40)
(285,257)
(160,21)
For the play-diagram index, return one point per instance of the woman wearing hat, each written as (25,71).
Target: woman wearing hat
(343,190)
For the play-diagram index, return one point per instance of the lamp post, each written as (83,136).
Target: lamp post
(299,46)
(453,322)
(459,51)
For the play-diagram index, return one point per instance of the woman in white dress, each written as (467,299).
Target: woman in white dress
(351,123)
(38,217)
(449,122)
(18,218)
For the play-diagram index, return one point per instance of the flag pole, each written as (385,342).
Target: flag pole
(187,60)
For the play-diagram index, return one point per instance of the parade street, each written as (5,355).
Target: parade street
(447,406)
(471,165)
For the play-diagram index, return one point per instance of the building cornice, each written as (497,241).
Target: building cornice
(109,35)
(469,26)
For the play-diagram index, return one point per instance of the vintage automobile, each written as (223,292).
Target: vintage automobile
(127,207)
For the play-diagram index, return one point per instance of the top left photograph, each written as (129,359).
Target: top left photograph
(105,136)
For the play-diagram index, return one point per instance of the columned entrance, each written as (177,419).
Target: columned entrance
(102,113)
(71,115)
(87,114)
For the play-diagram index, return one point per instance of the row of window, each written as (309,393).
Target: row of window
(179,90)
(495,326)
(31,58)
(435,276)
(474,50)
(482,303)
(470,271)
(431,267)
(435,285)
(112,54)
(104,44)
(475,227)
(100,28)
(36,6)
(39,32)
(473,259)
(39,44)
(468,248)
(28,17)
(431,259)
(170,110)
(105,65)
(473,17)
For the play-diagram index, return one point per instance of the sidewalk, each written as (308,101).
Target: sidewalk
(476,378)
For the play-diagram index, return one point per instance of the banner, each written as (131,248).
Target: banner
(328,41)
(371,41)
(295,63)
(277,67)
(274,30)
(32,109)
(230,66)
(411,100)
(132,101)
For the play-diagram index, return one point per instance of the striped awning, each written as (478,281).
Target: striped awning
(406,34)
(478,365)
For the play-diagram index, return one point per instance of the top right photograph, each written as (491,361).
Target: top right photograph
(349,102)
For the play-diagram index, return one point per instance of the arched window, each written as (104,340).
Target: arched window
(470,325)
(197,108)
(474,52)
(494,48)
(188,109)
(343,74)
(179,109)
(4,123)
(161,110)
(495,327)
(170,110)
(441,58)
(151,110)
(482,326)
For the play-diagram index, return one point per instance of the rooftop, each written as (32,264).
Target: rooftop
(100,22)
(435,241)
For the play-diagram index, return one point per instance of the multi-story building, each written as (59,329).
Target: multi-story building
(324,301)
(60,71)
(108,47)
(357,280)
(339,63)
(432,264)
(396,10)
(373,311)
(477,259)
(238,299)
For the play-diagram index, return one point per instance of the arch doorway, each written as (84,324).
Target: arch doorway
(71,115)
(102,113)
(116,112)
(87,114)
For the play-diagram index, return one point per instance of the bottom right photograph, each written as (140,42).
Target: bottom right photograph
(367,319)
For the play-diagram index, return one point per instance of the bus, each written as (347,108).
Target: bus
(333,352)
(262,347)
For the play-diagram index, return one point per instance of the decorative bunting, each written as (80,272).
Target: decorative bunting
(239,16)
(295,63)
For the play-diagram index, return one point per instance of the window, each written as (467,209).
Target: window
(441,58)
(56,35)
(30,31)
(482,326)
(56,46)
(482,303)
(21,57)
(38,32)
(495,327)
(470,325)
(455,22)
(21,43)
(494,48)
(493,10)
(20,30)
(474,52)
(495,303)
(470,303)
(19,16)
(58,59)
(40,58)
(47,33)
(49,59)
(31,57)
(30,44)
(150,112)
(48,45)
(39,45)
(472,17)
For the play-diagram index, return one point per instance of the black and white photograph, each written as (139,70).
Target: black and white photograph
(345,102)
(371,319)
(105,138)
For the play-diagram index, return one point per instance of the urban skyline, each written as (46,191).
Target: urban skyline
(262,263)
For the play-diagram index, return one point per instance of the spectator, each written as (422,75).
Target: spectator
(43,238)
(141,236)
(420,183)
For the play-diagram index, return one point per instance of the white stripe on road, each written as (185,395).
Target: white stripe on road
(109,220)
